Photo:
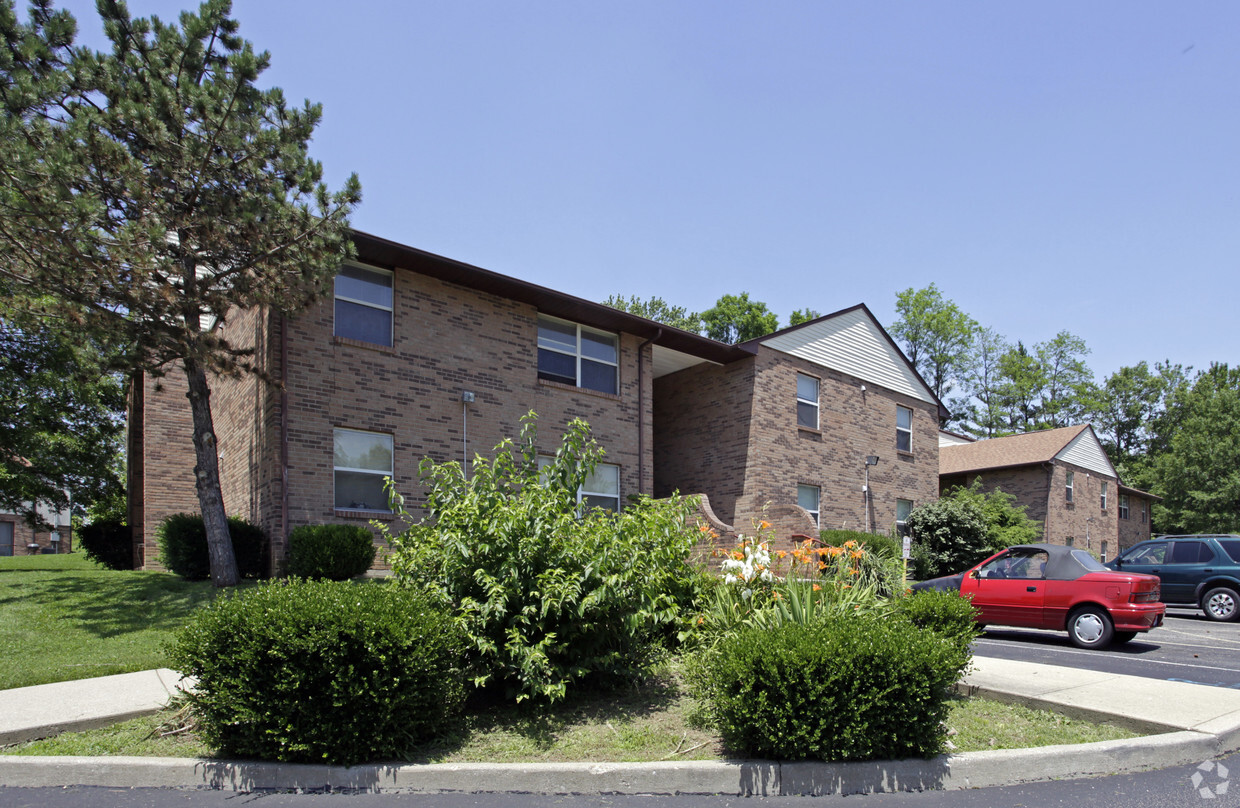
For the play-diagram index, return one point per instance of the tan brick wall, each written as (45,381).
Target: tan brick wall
(25,535)
(1135,528)
(732,433)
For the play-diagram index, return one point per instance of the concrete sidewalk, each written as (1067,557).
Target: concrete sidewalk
(1193,723)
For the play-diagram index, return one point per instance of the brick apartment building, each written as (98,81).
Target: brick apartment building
(1063,477)
(419,355)
(52,534)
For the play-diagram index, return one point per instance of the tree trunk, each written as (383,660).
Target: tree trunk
(207,478)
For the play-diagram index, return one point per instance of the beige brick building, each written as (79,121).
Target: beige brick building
(418,355)
(1064,479)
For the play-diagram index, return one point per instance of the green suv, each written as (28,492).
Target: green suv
(1202,570)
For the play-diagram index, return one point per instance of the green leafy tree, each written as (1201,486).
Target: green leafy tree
(736,318)
(937,337)
(1198,471)
(659,310)
(802,316)
(61,423)
(1070,395)
(1006,522)
(951,534)
(982,414)
(148,192)
(1021,380)
(1132,410)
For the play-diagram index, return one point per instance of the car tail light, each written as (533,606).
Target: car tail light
(1149,595)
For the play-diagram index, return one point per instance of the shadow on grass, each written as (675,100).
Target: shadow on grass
(103,603)
(541,725)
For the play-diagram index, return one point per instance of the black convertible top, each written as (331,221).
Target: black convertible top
(1062,563)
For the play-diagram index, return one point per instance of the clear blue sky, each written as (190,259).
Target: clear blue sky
(1050,165)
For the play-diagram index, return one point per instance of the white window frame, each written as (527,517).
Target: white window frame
(901,523)
(391,310)
(390,472)
(577,353)
(1123,506)
(904,431)
(816,511)
(582,492)
(809,402)
(1068,480)
(1104,494)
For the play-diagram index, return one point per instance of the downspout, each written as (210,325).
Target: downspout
(284,430)
(641,412)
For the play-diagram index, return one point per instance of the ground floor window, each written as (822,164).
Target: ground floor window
(362,461)
(602,488)
(808,497)
(903,508)
(6,538)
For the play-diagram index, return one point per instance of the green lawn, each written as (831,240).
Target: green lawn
(63,617)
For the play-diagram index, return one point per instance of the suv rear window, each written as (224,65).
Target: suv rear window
(1191,552)
(1232,548)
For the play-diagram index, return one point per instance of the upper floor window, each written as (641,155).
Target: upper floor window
(903,508)
(904,429)
(362,461)
(574,354)
(1104,495)
(1068,479)
(807,401)
(1145,512)
(1123,506)
(808,497)
(364,304)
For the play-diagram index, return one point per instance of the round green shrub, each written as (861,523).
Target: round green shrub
(182,541)
(335,552)
(857,688)
(946,613)
(107,542)
(321,671)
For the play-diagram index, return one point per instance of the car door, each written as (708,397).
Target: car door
(1009,590)
(1189,561)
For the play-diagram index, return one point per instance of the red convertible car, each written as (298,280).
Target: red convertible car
(1059,588)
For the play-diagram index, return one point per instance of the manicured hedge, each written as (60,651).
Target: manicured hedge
(182,541)
(335,552)
(321,671)
(861,688)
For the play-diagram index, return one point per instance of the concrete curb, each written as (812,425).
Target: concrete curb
(744,778)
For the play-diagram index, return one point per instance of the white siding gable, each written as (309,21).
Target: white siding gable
(1085,451)
(852,343)
(948,439)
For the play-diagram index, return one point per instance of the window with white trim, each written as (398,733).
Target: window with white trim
(1123,506)
(362,461)
(1068,480)
(364,304)
(807,401)
(903,508)
(904,429)
(808,497)
(1104,495)
(599,490)
(578,355)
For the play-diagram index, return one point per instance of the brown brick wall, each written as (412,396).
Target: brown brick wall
(24,535)
(166,484)
(1134,528)
(732,433)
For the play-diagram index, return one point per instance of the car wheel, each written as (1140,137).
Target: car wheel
(1220,603)
(1090,627)
(1121,637)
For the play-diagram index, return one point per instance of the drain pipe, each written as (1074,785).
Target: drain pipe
(641,413)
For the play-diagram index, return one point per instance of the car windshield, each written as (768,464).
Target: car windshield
(1089,562)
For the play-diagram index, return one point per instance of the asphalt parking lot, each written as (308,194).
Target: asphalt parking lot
(1186,648)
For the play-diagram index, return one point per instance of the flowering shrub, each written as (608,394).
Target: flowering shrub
(547,594)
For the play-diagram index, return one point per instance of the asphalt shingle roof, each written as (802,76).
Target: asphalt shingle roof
(1014,450)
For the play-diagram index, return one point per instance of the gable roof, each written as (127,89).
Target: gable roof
(680,348)
(1072,444)
(852,341)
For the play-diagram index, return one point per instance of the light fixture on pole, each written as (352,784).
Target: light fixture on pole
(870,460)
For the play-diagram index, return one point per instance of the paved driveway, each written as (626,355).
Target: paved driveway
(1187,648)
